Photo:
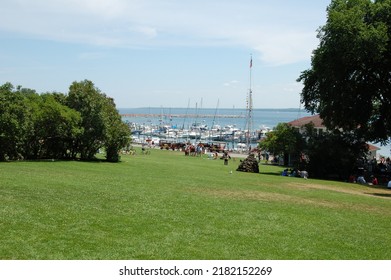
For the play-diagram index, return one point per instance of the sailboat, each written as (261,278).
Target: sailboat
(248,130)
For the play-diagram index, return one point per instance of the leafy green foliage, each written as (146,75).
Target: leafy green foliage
(116,131)
(349,82)
(54,125)
(101,123)
(15,123)
(56,128)
(332,155)
(89,102)
(283,140)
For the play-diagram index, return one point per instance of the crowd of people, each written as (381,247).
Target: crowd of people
(295,173)
(381,166)
(373,172)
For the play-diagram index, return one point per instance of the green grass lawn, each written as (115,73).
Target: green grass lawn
(168,206)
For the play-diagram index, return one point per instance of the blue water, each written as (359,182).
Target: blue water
(260,117)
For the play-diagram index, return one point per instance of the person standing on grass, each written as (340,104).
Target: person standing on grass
(226,157)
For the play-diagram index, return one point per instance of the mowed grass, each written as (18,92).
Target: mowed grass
(168,206)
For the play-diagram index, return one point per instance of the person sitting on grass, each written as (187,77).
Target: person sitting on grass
(361,180)
(304,174)
(375,182)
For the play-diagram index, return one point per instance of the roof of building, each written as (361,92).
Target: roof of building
(318,123)
(315,119)
(372,147)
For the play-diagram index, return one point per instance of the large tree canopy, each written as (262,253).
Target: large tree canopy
(15,123)
(55,125)
(349,83)
(101,122)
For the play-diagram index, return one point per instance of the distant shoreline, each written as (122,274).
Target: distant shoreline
(185,108)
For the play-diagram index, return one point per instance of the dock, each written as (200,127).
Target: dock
(172,116)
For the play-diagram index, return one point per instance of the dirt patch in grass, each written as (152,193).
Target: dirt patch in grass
(252,195)
(349,189)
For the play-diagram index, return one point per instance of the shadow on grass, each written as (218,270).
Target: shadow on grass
(95,160)
(271,173)
(388,195)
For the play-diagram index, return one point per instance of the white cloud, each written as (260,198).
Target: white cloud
(276,33)
(231,83)
(148,32)
(286,48)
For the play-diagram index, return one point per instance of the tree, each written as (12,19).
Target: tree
(283,140)
(85,98)
(349,83)
(332,154)
(15,122)
(53,125)
(117,133)
(100,122)
(56,128)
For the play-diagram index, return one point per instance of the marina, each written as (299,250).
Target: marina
(181,116)
(181,125)
(239,130)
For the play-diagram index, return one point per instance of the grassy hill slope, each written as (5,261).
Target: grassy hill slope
(168,206)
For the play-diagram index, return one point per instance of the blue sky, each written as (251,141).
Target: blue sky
(153,53)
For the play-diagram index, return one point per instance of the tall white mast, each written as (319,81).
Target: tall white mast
(249,115)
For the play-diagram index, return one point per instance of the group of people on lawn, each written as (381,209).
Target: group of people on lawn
(374,173)
(295,173)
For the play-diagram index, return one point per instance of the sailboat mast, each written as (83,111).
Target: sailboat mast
(214,117)
(251,67)
(187,110)
(249,107)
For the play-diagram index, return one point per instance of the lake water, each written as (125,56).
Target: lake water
(261,118)
(174,116)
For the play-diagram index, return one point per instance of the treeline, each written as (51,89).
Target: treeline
(327,154)
(60,126)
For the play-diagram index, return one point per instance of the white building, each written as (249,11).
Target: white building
(320,127)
